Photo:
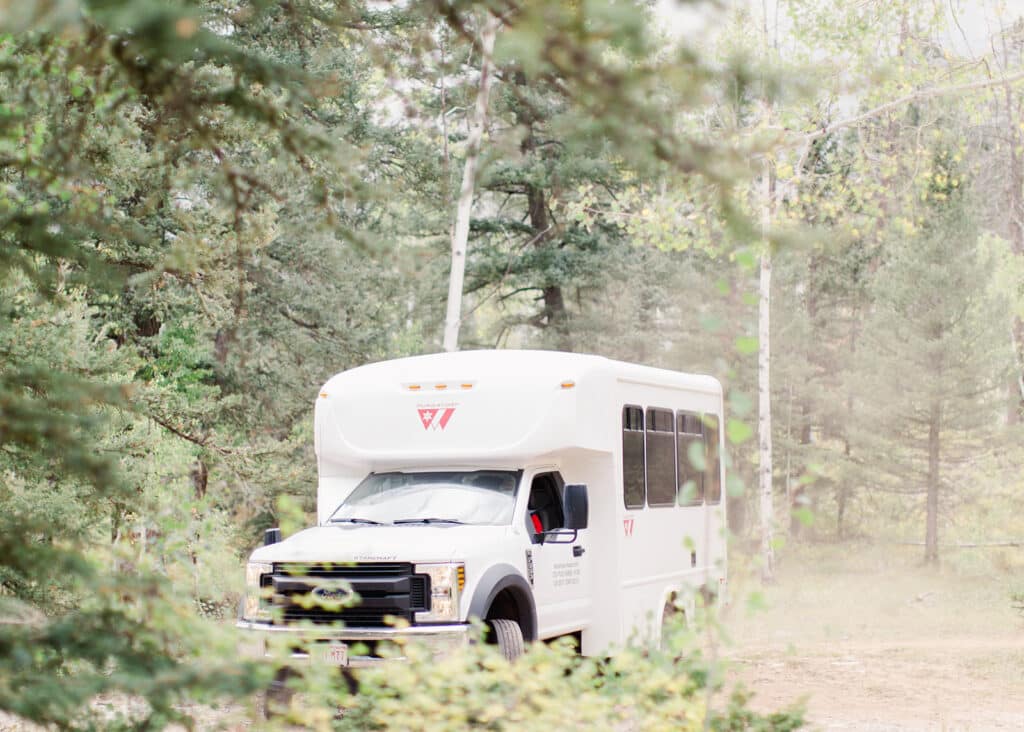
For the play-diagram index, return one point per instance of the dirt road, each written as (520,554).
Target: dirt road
(965,683)
(889,647)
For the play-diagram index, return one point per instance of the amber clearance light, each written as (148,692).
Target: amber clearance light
(442,386)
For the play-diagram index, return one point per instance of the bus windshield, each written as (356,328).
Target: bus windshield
(478,497)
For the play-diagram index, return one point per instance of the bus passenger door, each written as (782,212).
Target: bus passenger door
(561,581)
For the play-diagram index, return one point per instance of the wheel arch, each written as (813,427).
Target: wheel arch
(504,578)
(681,596)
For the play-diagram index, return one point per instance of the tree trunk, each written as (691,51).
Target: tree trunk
(843,491)
(841,497)
(200,478)
(460,232)
(931,538)
(795,500)
(555,315)
(764,310)
(641,336)
(790,490)
(1015,205)
(764,422)
(1015,387)
(795,497)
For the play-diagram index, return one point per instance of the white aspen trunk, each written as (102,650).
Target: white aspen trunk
(460,232)
(764,404)
(764,353)
(444,120)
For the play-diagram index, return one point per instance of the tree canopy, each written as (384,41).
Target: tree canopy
(209,207)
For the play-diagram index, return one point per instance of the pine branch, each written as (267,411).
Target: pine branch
(203,442)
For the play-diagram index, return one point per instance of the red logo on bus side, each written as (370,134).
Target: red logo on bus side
(627,526)
(436,419)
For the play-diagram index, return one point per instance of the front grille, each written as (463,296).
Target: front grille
(329,569)
(418,593)
(385,590)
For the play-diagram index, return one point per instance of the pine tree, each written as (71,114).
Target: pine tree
(935,354)
(136,143)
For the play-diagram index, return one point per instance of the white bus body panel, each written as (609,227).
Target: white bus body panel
(533,411)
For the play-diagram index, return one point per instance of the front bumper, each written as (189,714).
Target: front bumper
(300,641)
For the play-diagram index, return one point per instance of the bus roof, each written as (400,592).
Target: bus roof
(484,407)
(539,366)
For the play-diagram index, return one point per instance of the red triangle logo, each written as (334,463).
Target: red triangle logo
(427,417)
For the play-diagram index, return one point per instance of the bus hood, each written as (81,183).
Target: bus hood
(406,543)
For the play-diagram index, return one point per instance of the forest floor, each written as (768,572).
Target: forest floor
(868,639)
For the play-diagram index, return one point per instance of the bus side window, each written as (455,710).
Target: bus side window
(633,463)
(661,458)
(712,469)
(692,458)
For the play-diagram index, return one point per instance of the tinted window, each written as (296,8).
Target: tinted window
(713,471)
(661,458)
(692,458)
(633,457)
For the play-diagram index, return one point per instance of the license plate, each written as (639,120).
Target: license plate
(336,654)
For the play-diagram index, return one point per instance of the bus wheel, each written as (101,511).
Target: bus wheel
(509,637)
(673,620)
(277,697)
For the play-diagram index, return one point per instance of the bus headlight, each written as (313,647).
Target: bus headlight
(257,605)
(446,583)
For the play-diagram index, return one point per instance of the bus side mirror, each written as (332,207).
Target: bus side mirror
(576,506)
(271,536)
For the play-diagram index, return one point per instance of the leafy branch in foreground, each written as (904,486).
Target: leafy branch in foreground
(550,686)
(184,191)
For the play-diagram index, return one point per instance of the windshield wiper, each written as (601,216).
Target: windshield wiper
(349,520)
(428,521)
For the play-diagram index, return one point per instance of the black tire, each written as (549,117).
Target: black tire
(277,697)
(274,701)
(509,637)
(351,682)
(671,615)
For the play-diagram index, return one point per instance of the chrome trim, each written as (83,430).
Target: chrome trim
(353,661)
(438,639)
(342,633)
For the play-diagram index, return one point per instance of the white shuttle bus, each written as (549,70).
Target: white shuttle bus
(546,494)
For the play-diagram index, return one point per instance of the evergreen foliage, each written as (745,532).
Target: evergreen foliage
(191,195)
(208,207)
(936,352)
